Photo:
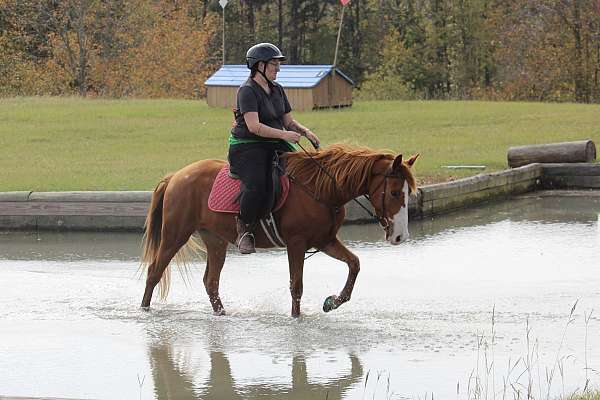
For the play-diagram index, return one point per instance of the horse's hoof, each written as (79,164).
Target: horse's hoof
(219,313)
(329,303)
(145,308)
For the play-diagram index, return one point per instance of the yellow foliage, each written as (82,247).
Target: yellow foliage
(170,60)
(18,75)
(155,50)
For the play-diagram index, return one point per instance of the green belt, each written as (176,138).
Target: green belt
(233,141)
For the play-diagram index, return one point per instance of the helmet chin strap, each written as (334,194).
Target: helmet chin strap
(263,73)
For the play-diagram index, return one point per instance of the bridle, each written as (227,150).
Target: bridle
(384,221)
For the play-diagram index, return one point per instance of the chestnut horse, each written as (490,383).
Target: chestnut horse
(320,184)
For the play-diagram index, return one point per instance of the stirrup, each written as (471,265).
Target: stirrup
(243,236)
(248,247)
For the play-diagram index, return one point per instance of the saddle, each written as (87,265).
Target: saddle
(225,194)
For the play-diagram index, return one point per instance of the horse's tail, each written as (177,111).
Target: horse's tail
(152,237)
(153,224)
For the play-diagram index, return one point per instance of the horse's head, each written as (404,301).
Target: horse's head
(389,190)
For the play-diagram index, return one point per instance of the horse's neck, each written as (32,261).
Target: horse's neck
(343,190)
(346,192)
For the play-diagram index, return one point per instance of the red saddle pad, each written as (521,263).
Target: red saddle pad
(225,190)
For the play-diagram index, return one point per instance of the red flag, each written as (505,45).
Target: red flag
(344,2)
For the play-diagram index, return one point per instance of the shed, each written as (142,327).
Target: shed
(307,86)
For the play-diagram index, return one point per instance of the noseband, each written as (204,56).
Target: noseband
(384,221)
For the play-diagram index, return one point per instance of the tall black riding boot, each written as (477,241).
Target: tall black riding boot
(245,238)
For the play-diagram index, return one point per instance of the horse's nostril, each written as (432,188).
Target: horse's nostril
(398,238)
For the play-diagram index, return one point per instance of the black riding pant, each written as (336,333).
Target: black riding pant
(253,163)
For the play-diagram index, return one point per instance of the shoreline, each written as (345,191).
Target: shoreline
(126,210)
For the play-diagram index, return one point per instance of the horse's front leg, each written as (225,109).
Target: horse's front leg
(296,262)
(337,250)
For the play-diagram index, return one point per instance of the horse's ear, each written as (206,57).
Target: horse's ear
(397,163)
(412,159)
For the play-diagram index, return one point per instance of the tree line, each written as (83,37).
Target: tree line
(543,50)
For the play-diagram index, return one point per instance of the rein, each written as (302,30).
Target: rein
(383,221)
(318,164)
(334,209)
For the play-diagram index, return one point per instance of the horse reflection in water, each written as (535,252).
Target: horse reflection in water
(171,381)
(321,183)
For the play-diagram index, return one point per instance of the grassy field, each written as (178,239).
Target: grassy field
(88,144)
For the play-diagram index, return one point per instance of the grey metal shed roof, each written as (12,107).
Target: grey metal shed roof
(290,76)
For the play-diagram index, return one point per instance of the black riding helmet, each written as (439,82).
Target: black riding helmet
(264,52)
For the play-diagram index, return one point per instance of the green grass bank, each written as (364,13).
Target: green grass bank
(55,144)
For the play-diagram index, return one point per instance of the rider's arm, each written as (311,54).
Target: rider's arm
(292,125)
(260,129)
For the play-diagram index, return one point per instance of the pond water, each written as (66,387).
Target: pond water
(477,304)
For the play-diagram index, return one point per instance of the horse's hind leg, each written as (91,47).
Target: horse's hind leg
(216,249)
(170,244)
(337,250)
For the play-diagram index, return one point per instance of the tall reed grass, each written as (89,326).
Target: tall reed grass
(523,378)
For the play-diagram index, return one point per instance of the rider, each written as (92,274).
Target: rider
(263,125)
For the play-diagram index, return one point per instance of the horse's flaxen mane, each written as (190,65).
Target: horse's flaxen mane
(349,165)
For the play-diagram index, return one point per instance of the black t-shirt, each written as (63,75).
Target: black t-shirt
(251,97)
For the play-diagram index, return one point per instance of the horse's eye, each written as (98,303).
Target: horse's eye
(395,193)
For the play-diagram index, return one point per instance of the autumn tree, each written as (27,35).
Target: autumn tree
(545,50)
(549,50)
(173,58)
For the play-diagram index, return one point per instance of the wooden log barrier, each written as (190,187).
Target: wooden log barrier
(565,152)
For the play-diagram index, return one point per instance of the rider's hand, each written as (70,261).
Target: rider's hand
(313,138)
(291,136)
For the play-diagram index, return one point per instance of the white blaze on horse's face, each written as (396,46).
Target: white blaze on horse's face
(400,220)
